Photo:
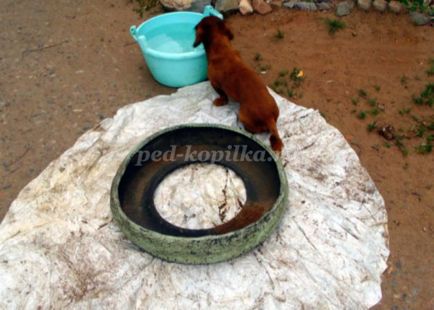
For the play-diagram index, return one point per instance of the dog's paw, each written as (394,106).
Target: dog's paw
(220,101)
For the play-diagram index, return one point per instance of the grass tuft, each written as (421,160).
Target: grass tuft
(279,35)
(144,5)
(426,96)
(362,93)
(334,25)
(258,57)
(404,111)
(372,126)
(430,71)
(361,115)
(425,148)
(372,102)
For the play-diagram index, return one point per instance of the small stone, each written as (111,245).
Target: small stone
(395,6)
(199,5)
(276,3)
(380,5)
(86,127)
(419,19)
(324,6)
(176,4)
(343,8)
(387,132)
(261,7)
(290,4)
(364,4)
(245,7)
(226,5)
(305,6)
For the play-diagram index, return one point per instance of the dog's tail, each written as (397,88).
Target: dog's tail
(250,213)
(275,141)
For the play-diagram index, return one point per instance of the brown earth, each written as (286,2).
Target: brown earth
(65,65)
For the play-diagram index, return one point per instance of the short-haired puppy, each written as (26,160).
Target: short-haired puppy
(232,78)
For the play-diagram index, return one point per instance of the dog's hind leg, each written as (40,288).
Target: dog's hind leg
(250,125)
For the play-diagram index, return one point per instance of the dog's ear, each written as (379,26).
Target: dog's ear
(199,36)
(227,32)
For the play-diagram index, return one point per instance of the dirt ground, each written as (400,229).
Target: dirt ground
(65,65)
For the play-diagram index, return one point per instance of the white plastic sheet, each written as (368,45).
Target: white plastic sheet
(60,249)
(200,196)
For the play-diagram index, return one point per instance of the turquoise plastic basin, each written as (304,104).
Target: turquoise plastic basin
(166,42)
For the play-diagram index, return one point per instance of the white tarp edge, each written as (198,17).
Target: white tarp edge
(60,249)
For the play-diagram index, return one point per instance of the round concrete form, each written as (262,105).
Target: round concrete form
(133,187)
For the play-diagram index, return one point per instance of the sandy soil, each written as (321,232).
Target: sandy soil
(65,65)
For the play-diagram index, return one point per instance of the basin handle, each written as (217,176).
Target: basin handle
(141,39)
(133,32)
(209,10)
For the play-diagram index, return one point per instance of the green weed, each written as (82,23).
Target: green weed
(430,71)
(334,25)
(296,76)
(361,115)
(426,96)
(372,126)
(374,111)
(420,130)
(400,144)
(362,93)
(404,81)
(258,57)
(372,102)
(425,148)
(279,35)
(264,68)
(144,5)
(354,101)
(404,111)
(283,73)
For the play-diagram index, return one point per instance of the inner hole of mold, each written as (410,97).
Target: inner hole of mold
(200,196)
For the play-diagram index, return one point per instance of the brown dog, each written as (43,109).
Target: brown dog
(230,77)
